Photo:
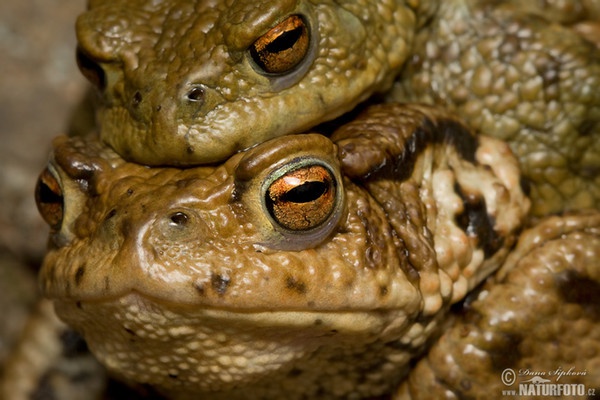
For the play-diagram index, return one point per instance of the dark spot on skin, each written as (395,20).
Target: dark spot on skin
(44,389)
(456,134)
(509,47)
(106,284)
(587,127)
(158,108)
(398,345)
(525,185)
(502,347)
(236,194)
(79,305)
(464,308)
(465,384)
(318,322)
(438,131)
(219,283)
(549,70)
(130,331)
(126,228)
(295,372)
(185,183)
(72,344)
(110,214)
(126,153)
(349,147)
(79,274)
(295,285)
(129,192)
(590,172)
(464,331)
(383,290)
(476,222)
(173,376)
(505,351)
(578,289)
(365,369)
(137,99)
(190,150)
(199,289)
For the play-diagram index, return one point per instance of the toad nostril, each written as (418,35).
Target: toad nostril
(137,99)
(196,94)
(92,71)
(179,218)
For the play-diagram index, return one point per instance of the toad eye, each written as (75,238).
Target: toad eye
(302,199)
(283,47)
(91,70)
(49,199)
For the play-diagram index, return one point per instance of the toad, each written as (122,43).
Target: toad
(185,83)
(304,267)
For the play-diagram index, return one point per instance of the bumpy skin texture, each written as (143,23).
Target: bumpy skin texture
(183,279)
(510,72)
(180,87)
(539,315)
(525,72)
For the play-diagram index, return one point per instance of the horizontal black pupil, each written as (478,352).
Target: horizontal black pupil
(47,196)
(91,70)
(285,41)
(305,193)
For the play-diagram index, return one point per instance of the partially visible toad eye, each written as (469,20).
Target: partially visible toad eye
(90,69)
(283,47)
(302,199)
(49,199)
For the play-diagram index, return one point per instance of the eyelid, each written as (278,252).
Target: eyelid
(244,22)
(264,164)
(239,44)
(284,47)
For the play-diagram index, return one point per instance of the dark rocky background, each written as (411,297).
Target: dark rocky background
(40,88)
